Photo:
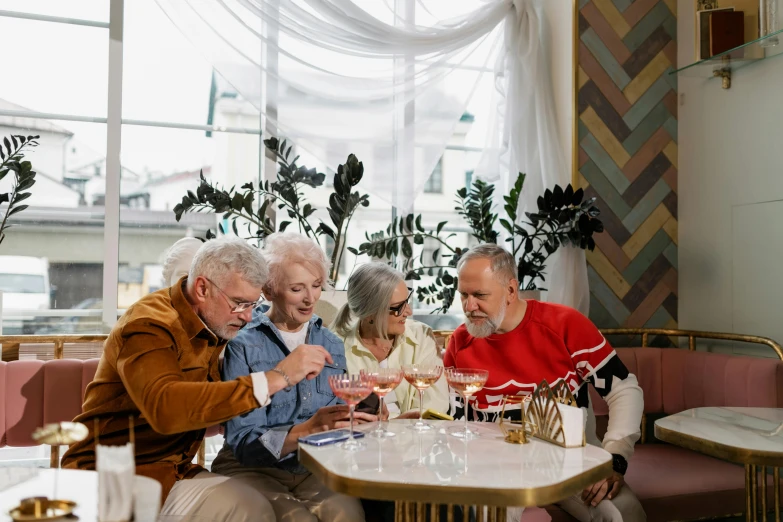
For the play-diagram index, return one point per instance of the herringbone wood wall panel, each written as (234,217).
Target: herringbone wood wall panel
(627,105)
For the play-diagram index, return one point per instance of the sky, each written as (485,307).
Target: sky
(61,68)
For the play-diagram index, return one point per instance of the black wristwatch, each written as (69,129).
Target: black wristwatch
(619,464)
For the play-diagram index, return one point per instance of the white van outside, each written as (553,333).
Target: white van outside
(24,282)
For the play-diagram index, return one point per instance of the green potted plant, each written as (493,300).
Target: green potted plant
(563,218)
(12,156)
(286,194)
(12,160)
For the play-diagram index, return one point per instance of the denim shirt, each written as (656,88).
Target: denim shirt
(257,437)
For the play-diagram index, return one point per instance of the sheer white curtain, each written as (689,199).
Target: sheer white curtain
(389,80)
(524,138)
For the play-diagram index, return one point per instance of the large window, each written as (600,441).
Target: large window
(434,184)
(79,255)
(101,215)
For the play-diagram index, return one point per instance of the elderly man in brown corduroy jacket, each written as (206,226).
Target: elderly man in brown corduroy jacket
(160,367)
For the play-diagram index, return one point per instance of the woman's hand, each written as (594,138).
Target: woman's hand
(334,417)
(358,418)
(410,414)
(325,419)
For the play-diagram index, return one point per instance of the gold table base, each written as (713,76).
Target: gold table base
(756,495)
(418,511)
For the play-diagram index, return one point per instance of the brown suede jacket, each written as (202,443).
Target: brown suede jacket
(159,365)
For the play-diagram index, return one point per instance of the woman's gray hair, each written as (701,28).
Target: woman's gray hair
(370,290)
(179,257)
(218,258)
(502,263)
(286,248)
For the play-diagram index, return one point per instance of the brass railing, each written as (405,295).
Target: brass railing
(692,335)
(11,343)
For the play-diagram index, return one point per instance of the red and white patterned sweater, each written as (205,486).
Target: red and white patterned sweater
(553,343)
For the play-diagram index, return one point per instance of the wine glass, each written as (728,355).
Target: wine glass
(386,380)
(352,388)
(421,377)
(466,382)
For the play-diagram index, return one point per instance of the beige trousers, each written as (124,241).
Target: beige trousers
(625,507)
(208,497)
(294,498)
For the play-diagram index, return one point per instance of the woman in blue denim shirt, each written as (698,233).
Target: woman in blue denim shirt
(261,445)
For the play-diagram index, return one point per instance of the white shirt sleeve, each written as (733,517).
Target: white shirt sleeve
(626,407)
(260,388)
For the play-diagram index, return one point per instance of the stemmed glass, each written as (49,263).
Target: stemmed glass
(386,380)
(466,382)
(352,388)
(421,377)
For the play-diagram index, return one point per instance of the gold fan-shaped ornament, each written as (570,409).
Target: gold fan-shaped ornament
(541,417)
(562,393)
(543,412)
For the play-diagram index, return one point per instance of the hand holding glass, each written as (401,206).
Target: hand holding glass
(466,382)
(352,389)
(386,380)
(421,377)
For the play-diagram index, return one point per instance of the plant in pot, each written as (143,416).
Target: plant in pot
(563,218)
(285,193)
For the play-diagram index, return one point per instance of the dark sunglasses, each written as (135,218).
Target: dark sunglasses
(397,310)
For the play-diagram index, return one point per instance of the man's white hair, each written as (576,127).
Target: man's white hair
(501,262)
(218,258)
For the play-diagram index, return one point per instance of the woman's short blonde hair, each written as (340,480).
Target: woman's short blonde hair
(285,248)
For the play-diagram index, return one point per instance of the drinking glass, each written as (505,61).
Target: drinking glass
(421,377)
(386,380)
(352,388)
(466,382)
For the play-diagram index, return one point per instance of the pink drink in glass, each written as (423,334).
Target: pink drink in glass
(466,382)
(352,389)
(386,380)
(421,377)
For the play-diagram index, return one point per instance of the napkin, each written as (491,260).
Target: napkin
(116,468)
(574,420)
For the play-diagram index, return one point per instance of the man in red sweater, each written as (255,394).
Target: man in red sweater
(524,342)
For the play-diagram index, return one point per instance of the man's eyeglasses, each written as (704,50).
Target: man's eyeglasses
(237,307)
(397,310)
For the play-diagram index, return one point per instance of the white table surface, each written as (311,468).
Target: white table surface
(438,467)
(744,435)
(76,485)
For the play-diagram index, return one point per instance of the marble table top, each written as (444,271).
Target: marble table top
(438,467)
(76,485)
(743,435)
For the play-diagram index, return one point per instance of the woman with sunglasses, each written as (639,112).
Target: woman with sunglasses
(377,330)
(261,445)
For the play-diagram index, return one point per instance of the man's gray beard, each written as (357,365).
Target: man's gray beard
(223,331)
(490,325)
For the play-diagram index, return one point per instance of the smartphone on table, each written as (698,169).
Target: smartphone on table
(329,437)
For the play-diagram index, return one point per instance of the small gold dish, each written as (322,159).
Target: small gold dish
(60,433)
(41,508)
(515,431)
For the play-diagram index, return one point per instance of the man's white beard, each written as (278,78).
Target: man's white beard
(490,324)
